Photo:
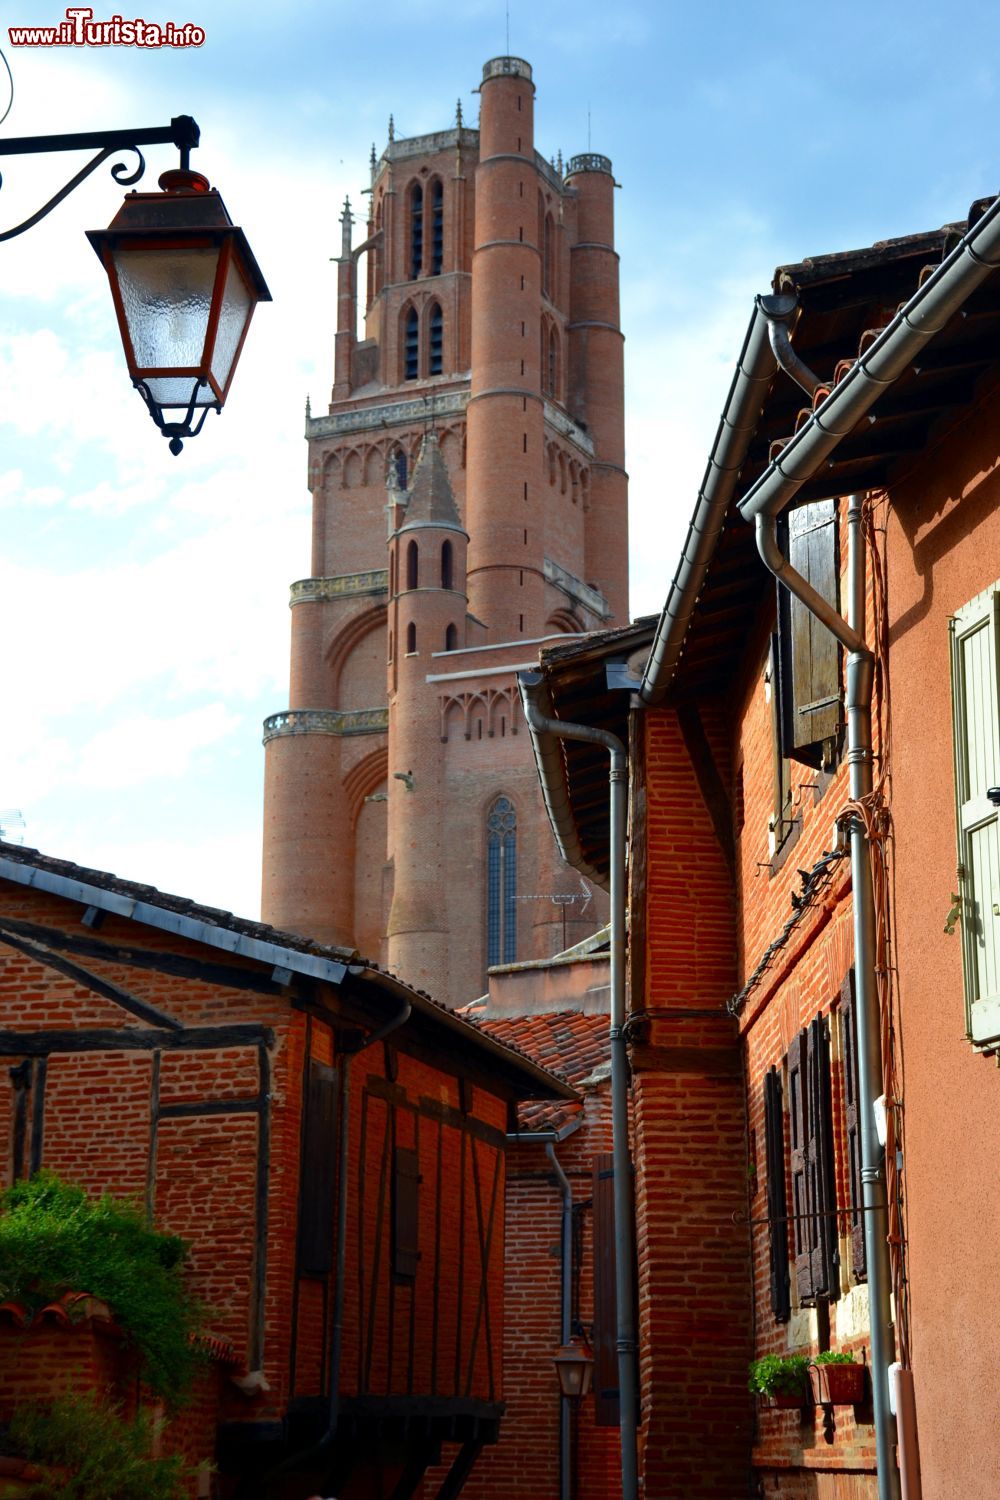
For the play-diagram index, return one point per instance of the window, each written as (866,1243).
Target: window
(416,231)
(814,1199)
(318,1169)
(977,770)
(399,462)
(405,1214)
(451,638)
(412,565)
(501,883)
(447,565)
(435,348)
(548,259)
(411,639)
(437,228)
(411,346)
(809,696)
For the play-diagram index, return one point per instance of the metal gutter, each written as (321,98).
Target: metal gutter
(545,727)
(468,1032)
(973,259)
(552,776)
(754,371)
(226,938)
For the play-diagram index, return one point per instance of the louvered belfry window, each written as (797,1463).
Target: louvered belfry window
(437,228)
(411,346)
(777,1211)
(809,656)
(849,1037)
(416,231)
(814,1198)
(435,350)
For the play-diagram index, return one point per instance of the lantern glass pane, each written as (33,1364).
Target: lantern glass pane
(167,298)
(176,390)
(234,314)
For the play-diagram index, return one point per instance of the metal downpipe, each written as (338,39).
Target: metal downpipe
(860,681)
(542,724)
(565,1320)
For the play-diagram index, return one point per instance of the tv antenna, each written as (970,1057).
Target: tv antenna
(566,899)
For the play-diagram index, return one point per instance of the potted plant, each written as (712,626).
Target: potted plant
(837,1379)
(780,1380)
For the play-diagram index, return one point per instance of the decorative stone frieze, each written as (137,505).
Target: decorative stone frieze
(319,590)
(326,721)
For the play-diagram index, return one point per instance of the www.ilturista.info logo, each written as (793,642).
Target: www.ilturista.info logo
(81,30)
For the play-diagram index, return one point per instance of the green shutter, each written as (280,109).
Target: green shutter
(977,768)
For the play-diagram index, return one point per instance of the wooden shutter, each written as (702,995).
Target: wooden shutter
(849,1036)
(606,1407)
(777,1211)
(405,1213)
(974,633)
(316,1186)
(813,1184)
(825,1254)
(809,656)
(798,1120)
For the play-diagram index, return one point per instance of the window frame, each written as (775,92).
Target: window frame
(975,813)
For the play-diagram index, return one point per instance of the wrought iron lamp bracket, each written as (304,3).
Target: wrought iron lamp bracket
(182,132)
(175,431)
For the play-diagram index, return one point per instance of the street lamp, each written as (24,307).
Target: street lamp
(574,1364)
(183,278)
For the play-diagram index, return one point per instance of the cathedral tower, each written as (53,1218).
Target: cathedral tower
(479,424)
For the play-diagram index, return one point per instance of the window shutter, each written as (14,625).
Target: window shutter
(798,1118)
(849,1034)
(813,1186)
(405,1214)
(606,1410)
(777,1212)
(825,1254)
(809,654)
(977,768)
(316,1188)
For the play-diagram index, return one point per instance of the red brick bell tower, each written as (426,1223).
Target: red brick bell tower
(478,425)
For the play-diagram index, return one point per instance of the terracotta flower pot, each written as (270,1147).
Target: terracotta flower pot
(839,1384)
(783,1401)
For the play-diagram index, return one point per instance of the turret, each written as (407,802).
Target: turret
(596,368)
(347,309)
(505,413)
(427,607)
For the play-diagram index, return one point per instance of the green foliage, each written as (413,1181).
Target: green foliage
(834,1357)
(779,1375)
(54,1239)
(90,1452)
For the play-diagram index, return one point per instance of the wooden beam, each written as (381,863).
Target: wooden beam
(226,975)
(131,1039)
(141,1009)
(709,781)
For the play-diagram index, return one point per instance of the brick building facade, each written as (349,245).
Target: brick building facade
(482,412)
(330,1142)
(783,1208)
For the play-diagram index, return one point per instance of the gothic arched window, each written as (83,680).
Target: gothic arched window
(412,566)
(435,349)
(416,231)
(437,228)
(553,364)
(411,638)
(411,346)
(447,566)
(548,258)
(501,883)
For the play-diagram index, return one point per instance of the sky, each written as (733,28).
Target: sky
(144,624)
